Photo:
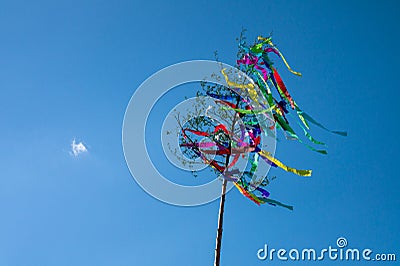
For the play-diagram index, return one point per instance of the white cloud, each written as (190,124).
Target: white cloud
(77,148)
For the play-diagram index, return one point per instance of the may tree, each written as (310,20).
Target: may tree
(236,133)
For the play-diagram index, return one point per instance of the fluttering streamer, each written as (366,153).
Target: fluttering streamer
(265,78)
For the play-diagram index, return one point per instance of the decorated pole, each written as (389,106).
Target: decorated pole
(256,113)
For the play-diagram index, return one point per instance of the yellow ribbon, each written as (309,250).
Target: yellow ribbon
(285,167)
(268,41)
(249,87)
(248,194)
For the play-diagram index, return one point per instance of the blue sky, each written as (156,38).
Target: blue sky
(68,70)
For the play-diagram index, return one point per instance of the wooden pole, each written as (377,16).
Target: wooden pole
(220,223)
(222,200)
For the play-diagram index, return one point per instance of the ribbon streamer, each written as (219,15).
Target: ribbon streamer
(250,101)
